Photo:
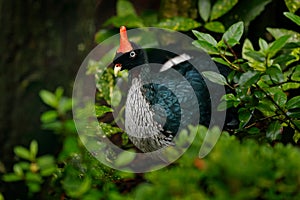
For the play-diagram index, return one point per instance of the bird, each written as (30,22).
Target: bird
(166,92)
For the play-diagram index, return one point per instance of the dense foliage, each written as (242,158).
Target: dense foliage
(259,160)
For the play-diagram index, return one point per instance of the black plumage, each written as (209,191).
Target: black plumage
(161,101)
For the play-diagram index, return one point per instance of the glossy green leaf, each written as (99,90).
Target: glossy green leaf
(221,7)
(280,98)
(215,77)
(217,27)
(249,78)
(244,115)
(277,45)
(204,8)
(206,46)
(275,74)
(205,37)
(247,46)
(274,130)
(234,33)
(48,98)
(293,5)
(289,86)
(266,107)
(293,17)
(179,24)
(221,61)
(279,32)
(293,103)
(255,55)
(296,74)
(294,114)
(255,59)
(263,44)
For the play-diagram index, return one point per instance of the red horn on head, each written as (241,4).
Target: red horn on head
(125,45)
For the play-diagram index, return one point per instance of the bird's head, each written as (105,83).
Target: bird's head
(128,55)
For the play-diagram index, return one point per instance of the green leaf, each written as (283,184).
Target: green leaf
(125,8)
(244,115)
(33,187)
(247,46)
(293,114)
(70,147)
(64,105)
(204,8)
(45,161)
(248,78)
(293,17)
(279,32)
(18,170)
(33,149)
(221,61)
(101,110)
(33,177)
(266,107)
(116,97)
(49,98)
(59,92)
(11,177)
(274,130)
(205,37)
(293,5)
(293,103)
(179,24)
(290,86)
(255,55)
(296,74)
(275,74)
(217,27)
(22,152)
(277,45)
(124,158)
(221,7)
(215,77)
(263,44)
(47,165)
(280,98)
(233,35)
(206,46)
(49,116)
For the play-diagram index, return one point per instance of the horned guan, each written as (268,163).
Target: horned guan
(166,92)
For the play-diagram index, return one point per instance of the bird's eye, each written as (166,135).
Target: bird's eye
(132,54)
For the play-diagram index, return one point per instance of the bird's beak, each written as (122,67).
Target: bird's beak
(117,68)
